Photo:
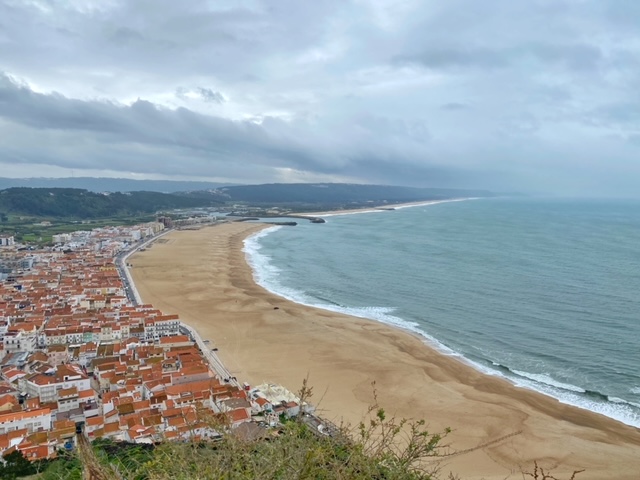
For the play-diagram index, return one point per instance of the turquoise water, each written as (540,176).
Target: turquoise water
(543,292)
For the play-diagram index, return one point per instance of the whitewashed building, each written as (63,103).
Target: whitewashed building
(32,420)
(46,386)
(20,341)
(6,240)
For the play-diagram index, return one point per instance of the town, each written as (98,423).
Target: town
(82,358)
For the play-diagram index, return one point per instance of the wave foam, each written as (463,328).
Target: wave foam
(612,407)
(266,275)
(548,380)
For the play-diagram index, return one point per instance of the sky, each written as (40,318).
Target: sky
(534,96)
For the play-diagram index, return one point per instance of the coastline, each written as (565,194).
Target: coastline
(381,208)
(265,273)
(203,276)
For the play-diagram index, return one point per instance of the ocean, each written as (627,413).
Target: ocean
(543,292)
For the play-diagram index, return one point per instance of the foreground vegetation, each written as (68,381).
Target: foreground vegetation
(380,448)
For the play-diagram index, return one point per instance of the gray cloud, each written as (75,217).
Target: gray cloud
(623,115)
(534,96)
(462,57)
(573,57)
(206,95)
(209,95)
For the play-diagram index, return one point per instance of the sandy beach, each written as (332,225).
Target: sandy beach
(202,275)
(379,208)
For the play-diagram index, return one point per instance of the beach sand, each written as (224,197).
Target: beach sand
(202,275)
(378,208)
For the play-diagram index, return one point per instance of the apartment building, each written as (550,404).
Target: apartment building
(31,420)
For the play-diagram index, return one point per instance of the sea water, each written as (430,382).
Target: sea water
(545,293)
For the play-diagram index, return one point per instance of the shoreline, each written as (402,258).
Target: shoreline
(259,342)
(408,328)
(382,208)
(526,382)
(429,341)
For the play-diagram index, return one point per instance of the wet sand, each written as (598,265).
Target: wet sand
(202,275)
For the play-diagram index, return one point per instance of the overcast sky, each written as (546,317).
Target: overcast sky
(510,95)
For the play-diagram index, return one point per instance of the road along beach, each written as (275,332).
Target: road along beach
(202,275)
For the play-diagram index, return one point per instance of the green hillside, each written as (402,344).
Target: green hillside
(329,196)
(73,203)
(81,204)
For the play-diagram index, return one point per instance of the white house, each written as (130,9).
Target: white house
(21,341)
(6,240)
(47,386)
(32,420)
(161,326)
(61,238)
(58,354)
(68,399)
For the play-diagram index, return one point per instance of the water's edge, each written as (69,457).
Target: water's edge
(264,273)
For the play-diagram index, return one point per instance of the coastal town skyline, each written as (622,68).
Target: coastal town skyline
(537,97)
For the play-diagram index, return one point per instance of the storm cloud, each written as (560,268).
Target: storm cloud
(533,96)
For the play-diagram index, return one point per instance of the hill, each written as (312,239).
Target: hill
(331,195)
(74,203)
(82,204)
(103,184)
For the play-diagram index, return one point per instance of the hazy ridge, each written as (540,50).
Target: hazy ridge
(65,202)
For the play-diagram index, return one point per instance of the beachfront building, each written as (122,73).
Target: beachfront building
(279,400)
(175,341)
(161,326)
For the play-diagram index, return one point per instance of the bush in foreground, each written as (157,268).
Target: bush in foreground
(379,448)
(295,451)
